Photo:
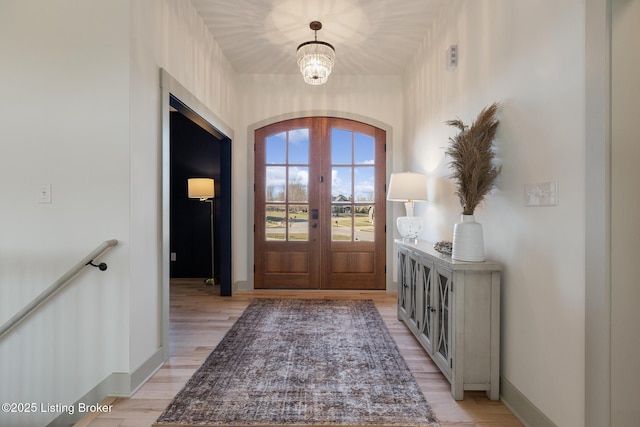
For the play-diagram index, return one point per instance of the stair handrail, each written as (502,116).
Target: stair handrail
(59,284)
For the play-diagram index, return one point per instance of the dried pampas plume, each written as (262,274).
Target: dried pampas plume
(472,157)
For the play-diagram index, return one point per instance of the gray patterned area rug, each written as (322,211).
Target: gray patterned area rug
(303,363)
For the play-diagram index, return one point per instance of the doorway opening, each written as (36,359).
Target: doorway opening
(174,96)
(199,150)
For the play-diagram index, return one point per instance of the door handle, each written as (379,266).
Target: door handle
(314,225)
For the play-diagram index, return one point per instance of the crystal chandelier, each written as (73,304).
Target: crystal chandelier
(315,58)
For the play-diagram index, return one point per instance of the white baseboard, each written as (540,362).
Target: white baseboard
(118,384)
(522,407)
(145,371)
(242,285)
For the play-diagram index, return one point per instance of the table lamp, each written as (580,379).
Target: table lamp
(408,187)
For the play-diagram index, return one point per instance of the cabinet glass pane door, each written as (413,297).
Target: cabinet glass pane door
(413,282)
(402,280)
(427,303)
(443,316)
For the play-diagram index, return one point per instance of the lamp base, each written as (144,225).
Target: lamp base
(409,226)
(210,281)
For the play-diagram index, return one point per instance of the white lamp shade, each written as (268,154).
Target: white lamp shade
(201,188)
(407,186)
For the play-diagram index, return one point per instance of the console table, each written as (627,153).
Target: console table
(453,309)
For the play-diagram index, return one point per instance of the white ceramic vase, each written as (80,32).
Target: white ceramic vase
(468,240)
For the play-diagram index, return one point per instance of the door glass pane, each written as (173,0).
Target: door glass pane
(363,227)
(275,183)
(363,149)
(299,146)
(298,184)
(276,148)
(364,184)
(275,222)
(298,222)
(341,223)
(341,147)
(341,184)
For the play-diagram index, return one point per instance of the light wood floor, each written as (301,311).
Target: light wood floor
(199,319)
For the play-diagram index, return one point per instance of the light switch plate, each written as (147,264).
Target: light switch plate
(541,194)
(45,193)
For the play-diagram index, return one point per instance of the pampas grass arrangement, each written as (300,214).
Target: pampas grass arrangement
(472,155)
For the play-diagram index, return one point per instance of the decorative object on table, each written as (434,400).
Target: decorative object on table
(316,59)
(471,151)
(444,247)
(204,190)
(408,187)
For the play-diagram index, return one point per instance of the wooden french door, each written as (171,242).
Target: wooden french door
(319,205)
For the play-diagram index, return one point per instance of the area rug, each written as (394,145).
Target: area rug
(303,363)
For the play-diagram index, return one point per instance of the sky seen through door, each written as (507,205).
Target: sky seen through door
(352,161)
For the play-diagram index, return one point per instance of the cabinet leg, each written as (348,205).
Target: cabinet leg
(493,393)
(457,392)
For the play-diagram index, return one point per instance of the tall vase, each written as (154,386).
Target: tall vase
(468,240)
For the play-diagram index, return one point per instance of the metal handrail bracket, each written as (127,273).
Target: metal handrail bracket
(59,284)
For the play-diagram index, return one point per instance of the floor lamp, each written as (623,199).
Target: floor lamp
(204,190)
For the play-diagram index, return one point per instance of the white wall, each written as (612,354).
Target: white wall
(64,121)
(81,111)
(263,99)
(166,34)
(529,56)
(625,204)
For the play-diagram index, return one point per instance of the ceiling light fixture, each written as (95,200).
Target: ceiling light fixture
(315,58)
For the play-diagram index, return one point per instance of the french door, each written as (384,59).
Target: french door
(319,205)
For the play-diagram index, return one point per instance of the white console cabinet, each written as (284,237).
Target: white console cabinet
(453,309)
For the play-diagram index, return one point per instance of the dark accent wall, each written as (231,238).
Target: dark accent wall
(195,153)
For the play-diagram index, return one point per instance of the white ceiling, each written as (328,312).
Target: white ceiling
(370,36)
